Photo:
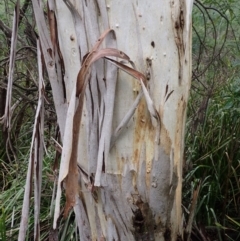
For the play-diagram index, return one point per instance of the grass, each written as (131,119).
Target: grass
(11,201)
(213,158)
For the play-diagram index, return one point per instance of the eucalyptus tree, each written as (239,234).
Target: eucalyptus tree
(120,73)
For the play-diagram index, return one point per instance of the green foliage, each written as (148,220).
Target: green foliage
(11,200)
(213,127)
(212,149)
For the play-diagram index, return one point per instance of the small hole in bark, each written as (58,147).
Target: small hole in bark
(149,62)
(167,234)
(138,221)
(153,44)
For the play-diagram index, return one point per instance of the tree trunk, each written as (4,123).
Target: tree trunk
(129,159)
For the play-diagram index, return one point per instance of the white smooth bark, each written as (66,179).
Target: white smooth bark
(137,193)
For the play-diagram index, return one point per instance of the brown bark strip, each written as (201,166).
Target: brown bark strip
(71,180)
(57,55)
(178,29)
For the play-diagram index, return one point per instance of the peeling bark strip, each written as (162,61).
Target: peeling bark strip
(55,43)
(7,114)
(34,171)
(52,66)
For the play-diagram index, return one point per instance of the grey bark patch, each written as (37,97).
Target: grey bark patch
(161,195)
(112,231)
(117,207)
(82,221)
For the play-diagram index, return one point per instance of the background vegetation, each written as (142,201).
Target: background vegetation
(212,157)
(213,128)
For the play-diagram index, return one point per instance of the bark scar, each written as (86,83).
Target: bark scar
(178,13)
